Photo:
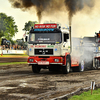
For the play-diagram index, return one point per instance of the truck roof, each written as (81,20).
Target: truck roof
(48,28)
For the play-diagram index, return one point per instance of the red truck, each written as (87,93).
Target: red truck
(49,47)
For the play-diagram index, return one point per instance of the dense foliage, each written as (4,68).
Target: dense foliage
(28,25)
(7,26)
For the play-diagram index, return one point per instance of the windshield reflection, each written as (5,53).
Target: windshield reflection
(45,38)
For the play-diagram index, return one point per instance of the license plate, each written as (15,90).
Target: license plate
(43,63)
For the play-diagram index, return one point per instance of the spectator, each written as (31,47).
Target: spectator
(12,47)
(0,47)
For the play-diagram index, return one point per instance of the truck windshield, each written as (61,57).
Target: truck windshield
(45,38)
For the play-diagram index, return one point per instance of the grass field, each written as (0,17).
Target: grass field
(13,63)
(87,96)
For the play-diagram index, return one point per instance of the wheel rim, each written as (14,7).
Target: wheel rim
(68,67)
(82,65)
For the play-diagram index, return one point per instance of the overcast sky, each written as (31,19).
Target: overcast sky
(83,24)
(19,16)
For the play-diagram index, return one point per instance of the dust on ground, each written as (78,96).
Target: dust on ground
(19,82)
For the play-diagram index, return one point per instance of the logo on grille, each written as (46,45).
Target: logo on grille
(43,51)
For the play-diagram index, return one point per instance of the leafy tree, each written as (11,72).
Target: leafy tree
(7,26)
(28,25)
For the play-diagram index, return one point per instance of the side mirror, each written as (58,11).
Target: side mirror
(66,36)
(26,38)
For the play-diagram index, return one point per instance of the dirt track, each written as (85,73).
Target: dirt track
(13,59)
(17,82)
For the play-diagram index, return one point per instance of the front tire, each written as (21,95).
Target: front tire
(36,68)
(66,69)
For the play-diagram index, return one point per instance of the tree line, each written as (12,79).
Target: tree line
(8,28)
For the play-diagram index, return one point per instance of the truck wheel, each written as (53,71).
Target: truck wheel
(96,63)
(81,66)
(35,68)
(66,69)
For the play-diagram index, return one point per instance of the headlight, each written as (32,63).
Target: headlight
(31,60)
(56,60)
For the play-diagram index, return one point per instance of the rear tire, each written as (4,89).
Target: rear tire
(96,63)
(36,68)
(66,69)
(81,67)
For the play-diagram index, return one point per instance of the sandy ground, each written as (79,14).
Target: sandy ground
(18,82)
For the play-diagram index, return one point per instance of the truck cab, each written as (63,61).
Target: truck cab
(49,47)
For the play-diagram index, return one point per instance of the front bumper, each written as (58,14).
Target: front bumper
(46,61)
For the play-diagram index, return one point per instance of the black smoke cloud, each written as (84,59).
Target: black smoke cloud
(74,6)
(40,5)
(49,6)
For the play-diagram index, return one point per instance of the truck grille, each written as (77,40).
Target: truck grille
(43,51)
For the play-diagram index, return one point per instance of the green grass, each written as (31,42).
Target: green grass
(13,63)
(87,96)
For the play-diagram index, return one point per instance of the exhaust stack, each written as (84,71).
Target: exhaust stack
(70,38)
